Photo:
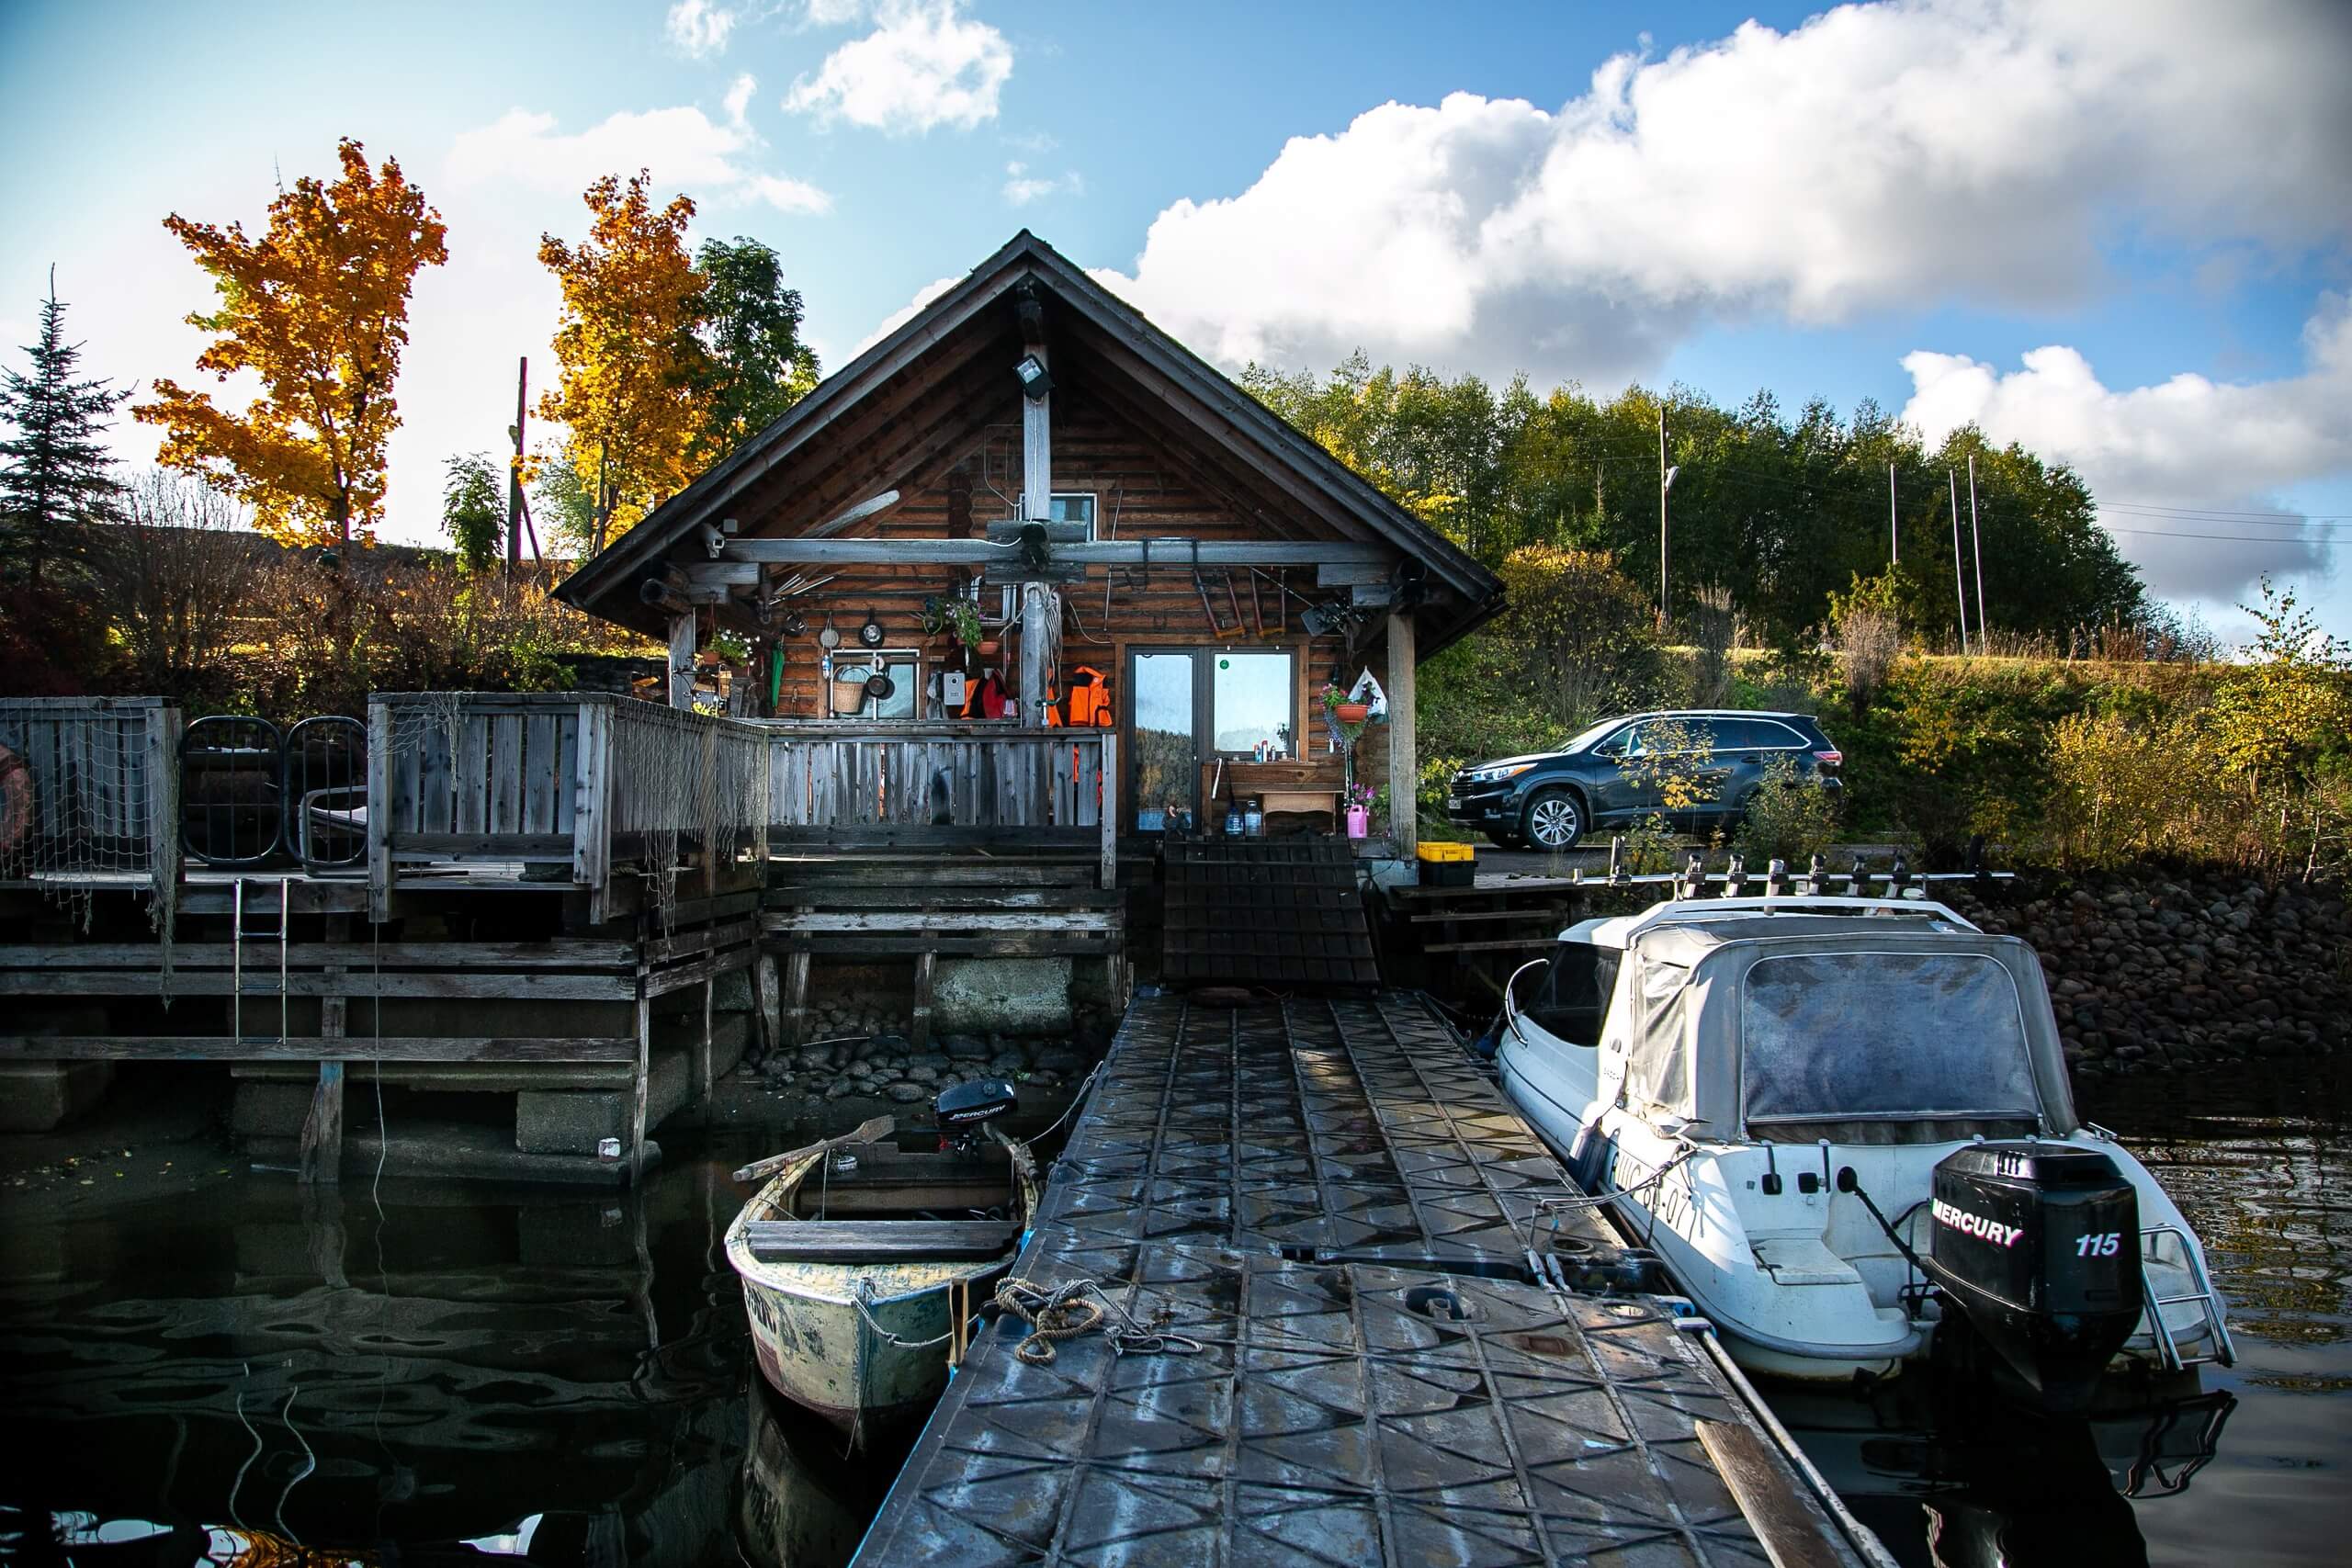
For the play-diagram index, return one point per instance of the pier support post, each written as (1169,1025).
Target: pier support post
(926,965)
(322,1148)
(795,999)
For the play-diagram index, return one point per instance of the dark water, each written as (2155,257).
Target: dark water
(233,1372)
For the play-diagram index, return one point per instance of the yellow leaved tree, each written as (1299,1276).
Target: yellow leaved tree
(317,308)
(634,394)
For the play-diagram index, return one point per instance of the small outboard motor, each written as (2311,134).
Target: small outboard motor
(2039,1245)
(963,1108)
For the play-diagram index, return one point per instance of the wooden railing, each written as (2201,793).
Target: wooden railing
(555,782)
(99,801)
(1062,784)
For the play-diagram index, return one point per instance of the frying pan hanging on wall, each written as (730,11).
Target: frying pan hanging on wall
(880,687)
(796,625)
(829,638)
(871,633)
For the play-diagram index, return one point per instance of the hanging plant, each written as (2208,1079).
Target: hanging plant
(733,648)
(964,620)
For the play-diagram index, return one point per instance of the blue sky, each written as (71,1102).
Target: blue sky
(1894,201)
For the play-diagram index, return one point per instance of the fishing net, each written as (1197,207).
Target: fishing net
(89,801)
(683,780)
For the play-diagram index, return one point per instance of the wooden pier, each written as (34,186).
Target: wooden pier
(1393,1349)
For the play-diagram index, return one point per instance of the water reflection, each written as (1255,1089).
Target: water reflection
(250,1374)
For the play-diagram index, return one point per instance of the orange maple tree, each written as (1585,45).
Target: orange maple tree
(316,307)
(634,395)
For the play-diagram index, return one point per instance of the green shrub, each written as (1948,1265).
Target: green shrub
(1790,816)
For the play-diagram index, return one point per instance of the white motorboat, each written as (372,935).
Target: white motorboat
(1837,1119)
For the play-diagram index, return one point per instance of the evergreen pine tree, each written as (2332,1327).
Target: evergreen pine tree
(55,473)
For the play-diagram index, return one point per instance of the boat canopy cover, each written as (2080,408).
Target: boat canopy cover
(1773,1021)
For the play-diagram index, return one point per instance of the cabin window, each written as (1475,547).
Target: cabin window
(1251,698)
(1893,1036)
(1066,506)
(902,665)
(1572,999)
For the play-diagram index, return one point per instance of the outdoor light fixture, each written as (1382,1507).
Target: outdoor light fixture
(1034,383)
(1033,546)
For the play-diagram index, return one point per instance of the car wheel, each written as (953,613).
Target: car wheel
(1554,822)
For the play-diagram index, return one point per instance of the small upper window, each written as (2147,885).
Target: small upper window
(1073,506)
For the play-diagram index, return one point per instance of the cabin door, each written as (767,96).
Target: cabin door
(1163,747)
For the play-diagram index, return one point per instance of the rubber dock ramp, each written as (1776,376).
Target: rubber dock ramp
(1337,1206)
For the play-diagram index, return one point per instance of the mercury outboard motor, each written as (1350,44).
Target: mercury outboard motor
(2039,1245)
(962,1107)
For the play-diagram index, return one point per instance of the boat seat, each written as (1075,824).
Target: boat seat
(1800,1260)
(877,1241)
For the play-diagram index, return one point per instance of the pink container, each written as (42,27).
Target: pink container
(1359,822)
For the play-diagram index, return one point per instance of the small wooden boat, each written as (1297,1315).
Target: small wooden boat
(863,1263)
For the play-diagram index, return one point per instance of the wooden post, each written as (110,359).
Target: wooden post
(639,1080)
(796,998)
(702,1088)
(926,963)
(322,1151)
(592,844)
(1110,809)
(380,812)
(682,660)
(1404,764)
(1041,607)
(162,827)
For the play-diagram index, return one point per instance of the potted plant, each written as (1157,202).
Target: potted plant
(726,648)
(963,622)
(1335,703)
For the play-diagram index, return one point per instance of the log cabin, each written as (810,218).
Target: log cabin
(1132,548)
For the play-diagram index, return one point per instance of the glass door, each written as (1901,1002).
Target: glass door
(1165,774)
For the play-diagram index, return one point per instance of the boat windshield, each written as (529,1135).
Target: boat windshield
(1884,1036)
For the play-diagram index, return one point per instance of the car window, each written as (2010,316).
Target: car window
(1760,734)
(1615,744)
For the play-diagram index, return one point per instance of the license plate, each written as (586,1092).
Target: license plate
(1453,803)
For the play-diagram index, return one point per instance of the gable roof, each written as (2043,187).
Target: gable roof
(1235,428)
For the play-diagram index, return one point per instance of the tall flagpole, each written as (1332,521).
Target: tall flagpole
(1959,581)
(1976,543)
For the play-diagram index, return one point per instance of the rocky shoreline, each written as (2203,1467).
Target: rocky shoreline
(864,1052)
(2152,970)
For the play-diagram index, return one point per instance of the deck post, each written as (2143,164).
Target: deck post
(1404,765)
(321,1149)
(380,811)
(919,1024)
(638,1081)
(796,998)
(162,827)
(592,844)
(1110,776)
(682,660)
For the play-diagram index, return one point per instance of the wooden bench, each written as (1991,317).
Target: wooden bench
(879,1241)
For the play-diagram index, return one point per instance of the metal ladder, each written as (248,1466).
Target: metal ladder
(2202,1291)
(237,935)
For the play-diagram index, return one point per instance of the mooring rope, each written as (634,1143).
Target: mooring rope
(1053,1315)
(1561,1205)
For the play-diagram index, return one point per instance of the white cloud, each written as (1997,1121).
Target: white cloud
(739,99)
(902,315)
(834,13)
(1978,151)
(698,28)
(924,66)
(2153,453)
(1022,187)
(681,146)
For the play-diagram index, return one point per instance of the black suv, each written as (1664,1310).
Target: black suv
(1550,799)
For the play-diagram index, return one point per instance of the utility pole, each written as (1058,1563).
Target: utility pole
(514,474)
(1662,479)
(1959,582)
(1976,545)
(1894,531)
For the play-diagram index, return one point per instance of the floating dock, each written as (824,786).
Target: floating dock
(1333,1200)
